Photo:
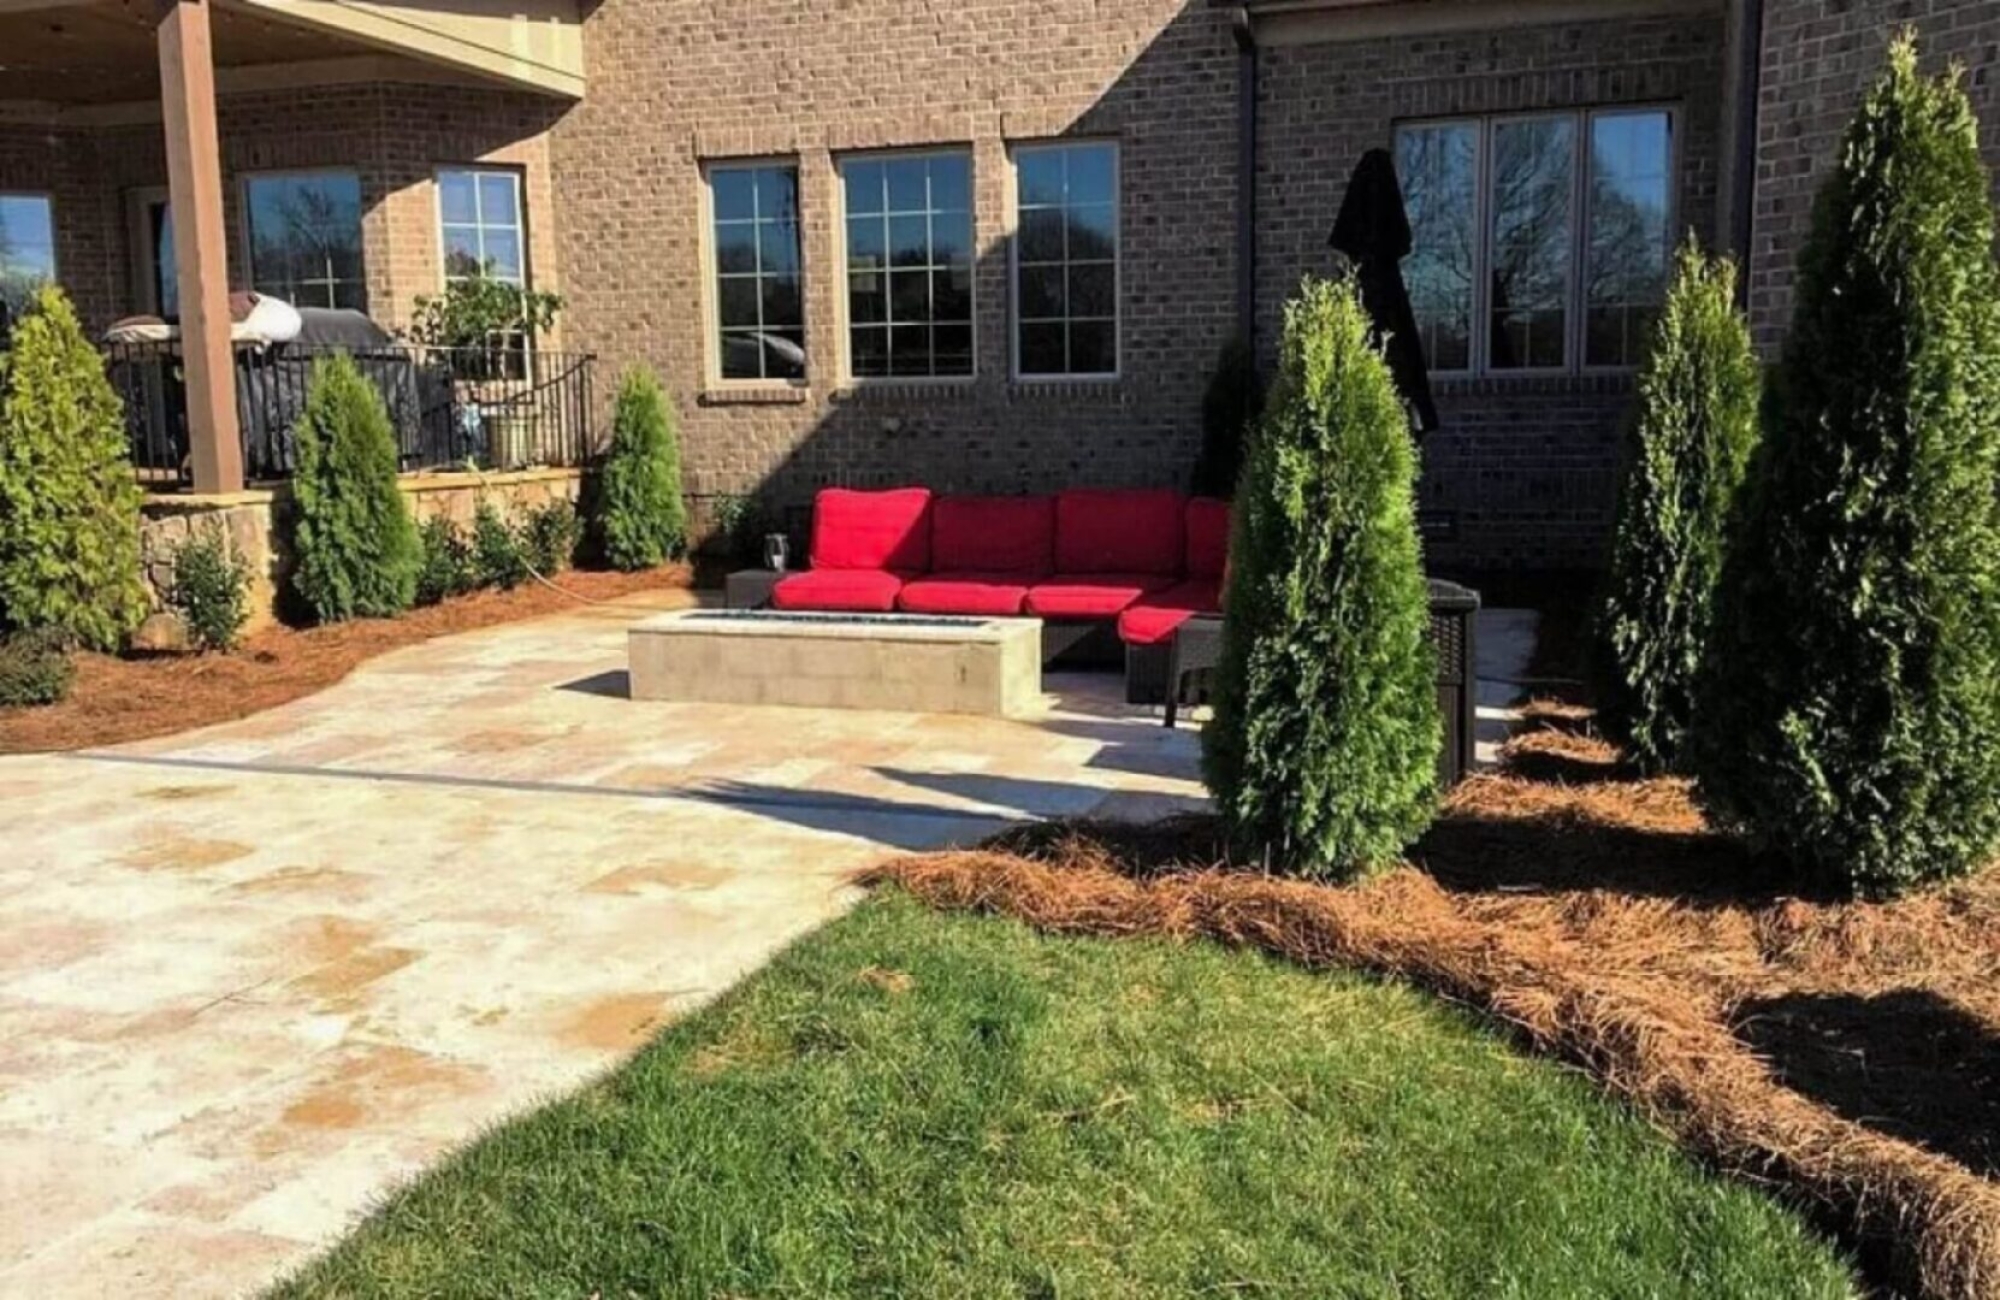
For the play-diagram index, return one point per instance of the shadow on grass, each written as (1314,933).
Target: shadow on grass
(1907,1063)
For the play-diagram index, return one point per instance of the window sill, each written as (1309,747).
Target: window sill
(949,388)
(1610,382)
(1106,390)
(755,395)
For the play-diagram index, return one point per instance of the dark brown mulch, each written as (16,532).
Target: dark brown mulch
(118,699)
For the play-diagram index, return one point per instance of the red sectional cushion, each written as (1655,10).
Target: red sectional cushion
(994,535)
(869,590)
(1125,531)
(1207,537)
(872,530)
(964,593)
(1152,618)
(1091,595)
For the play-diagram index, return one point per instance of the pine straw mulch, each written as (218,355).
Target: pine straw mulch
(124,698)
(1848,1052)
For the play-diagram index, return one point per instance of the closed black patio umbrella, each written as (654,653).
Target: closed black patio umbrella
(1374,232)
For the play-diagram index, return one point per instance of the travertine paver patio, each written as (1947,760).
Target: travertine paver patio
(251,976)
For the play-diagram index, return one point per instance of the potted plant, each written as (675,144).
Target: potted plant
(485,330)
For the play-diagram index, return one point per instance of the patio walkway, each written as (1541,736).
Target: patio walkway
(253,975)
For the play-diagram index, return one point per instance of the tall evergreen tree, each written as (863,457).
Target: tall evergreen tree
(356,546)
(1691,441)
(69,504)
(641,518)
(1850,717)
(1323,751)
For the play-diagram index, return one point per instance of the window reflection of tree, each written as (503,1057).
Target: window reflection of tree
(1625,271)
(314,246)
(1437,175)
(1532,163)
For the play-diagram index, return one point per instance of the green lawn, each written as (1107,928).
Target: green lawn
(911,1104)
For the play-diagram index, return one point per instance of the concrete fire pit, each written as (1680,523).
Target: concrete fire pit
(905,662)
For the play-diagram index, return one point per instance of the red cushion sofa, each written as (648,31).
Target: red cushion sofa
(1099,567)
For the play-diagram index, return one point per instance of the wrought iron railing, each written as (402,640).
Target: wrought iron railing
(501,409)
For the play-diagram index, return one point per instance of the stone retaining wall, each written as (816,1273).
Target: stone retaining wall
(252,522)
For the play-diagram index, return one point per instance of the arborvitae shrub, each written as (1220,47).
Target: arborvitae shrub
(641,518)
(1691,441)
(356,547)
(211,589)
(69,505)
(1322,754)
(34,669)
(498,559)
(446,569)
(1850,711)
(549,536)
(1229,410)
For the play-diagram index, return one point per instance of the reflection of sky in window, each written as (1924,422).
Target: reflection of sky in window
(1628,206)
(1625,272)
(27,239)
(480,218)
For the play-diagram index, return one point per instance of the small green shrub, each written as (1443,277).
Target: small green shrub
(549,536)
(1323,751)
(1229,410)
(498,559)
(34,669)
(211,589)
(642,520)
(69,505)
(1690,444)
(1849,710)
(355,544)
(741,521)
(447,568)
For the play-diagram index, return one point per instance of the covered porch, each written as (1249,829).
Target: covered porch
(158,155)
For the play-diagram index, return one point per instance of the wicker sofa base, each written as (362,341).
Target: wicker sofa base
(1146,673)
(1080,643)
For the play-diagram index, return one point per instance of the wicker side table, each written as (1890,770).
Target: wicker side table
(1197,648)
(749,588)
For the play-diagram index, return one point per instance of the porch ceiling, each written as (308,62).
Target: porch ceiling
(103,52)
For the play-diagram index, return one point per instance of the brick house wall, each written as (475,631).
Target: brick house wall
(675,84)
(393,136)
(1819,57)
(1523,472)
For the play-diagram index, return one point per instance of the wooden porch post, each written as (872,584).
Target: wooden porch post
(201,265)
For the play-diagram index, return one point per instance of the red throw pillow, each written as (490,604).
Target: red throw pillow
(872,530)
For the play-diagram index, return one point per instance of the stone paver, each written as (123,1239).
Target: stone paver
(252,976)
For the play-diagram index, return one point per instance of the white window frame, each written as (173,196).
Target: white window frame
(49,202)
(249,230)
(712,377)
(841,281)
(1575,335)
(1014,151)
(476,170)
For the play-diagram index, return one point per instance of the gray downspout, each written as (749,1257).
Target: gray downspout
(1742,216)
(1246,175)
